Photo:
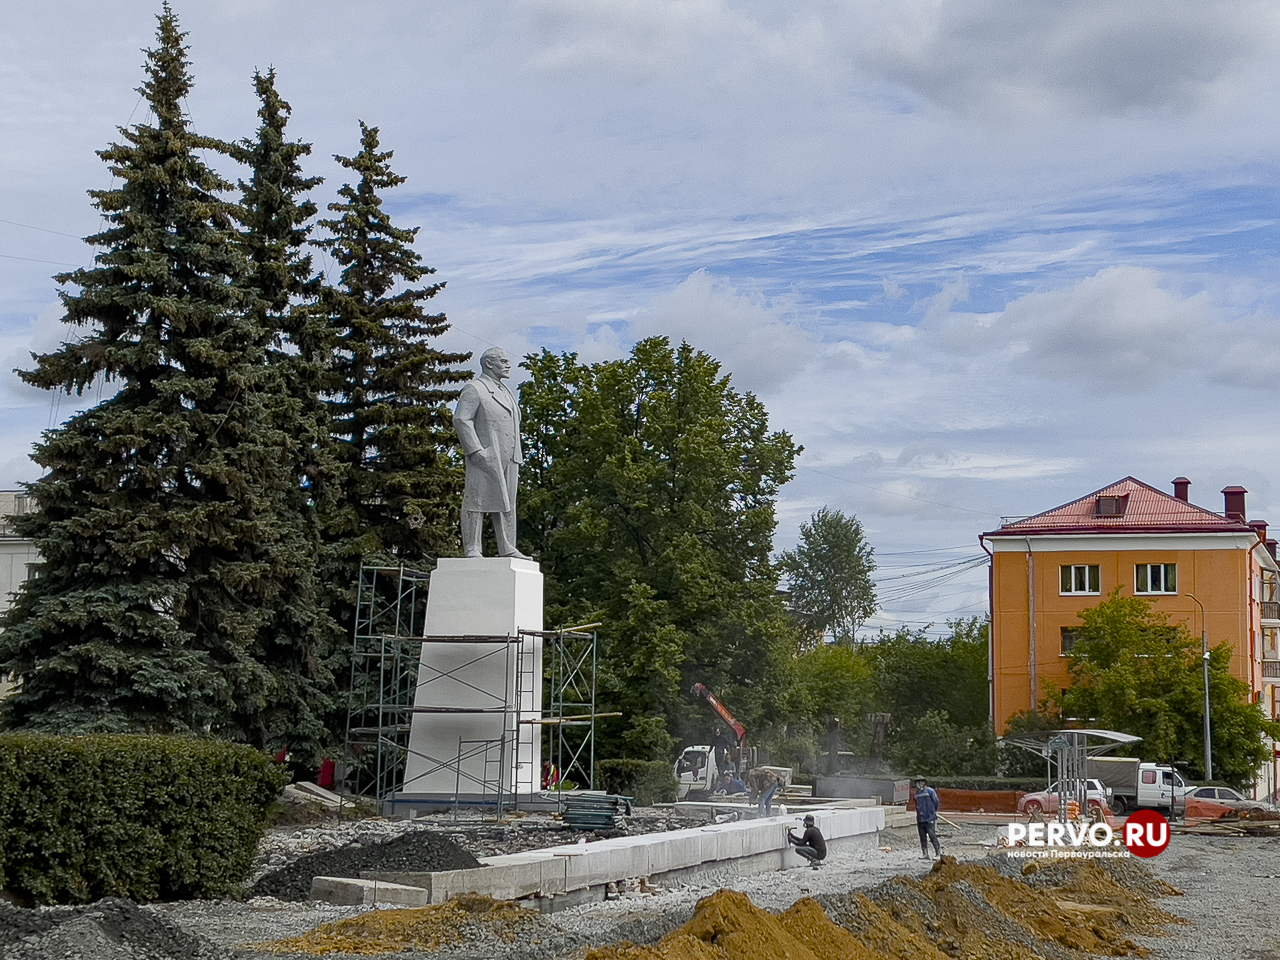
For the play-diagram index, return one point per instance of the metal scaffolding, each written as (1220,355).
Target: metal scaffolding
(391,610)
(571,719)
(391,683)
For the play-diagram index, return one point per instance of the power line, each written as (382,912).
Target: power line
(912,553)
(56,263)
(32,226)
(920,568)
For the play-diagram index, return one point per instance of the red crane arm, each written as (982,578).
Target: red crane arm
(700,690)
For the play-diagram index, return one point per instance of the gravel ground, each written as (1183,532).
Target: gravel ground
(1231,888)
(1232,897)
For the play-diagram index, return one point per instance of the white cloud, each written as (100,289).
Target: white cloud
(992,57)
(43,335)
(762,343)
(1119,331)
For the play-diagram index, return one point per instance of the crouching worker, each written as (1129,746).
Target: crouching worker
(811,844)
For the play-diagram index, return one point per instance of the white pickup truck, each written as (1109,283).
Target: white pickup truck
(1135,783)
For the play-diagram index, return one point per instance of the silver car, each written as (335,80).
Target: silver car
(1225,796)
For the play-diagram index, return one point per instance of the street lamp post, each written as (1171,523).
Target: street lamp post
(1204,658)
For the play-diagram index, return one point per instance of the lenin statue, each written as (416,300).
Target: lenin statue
(487,419)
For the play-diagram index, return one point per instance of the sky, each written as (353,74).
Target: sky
(978,257)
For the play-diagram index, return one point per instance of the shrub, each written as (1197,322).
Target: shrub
(143,817)
(645,781)
(1025,784)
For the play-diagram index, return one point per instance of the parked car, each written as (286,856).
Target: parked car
(1225,796)
(1046,801)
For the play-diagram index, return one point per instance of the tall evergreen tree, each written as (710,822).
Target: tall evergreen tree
(401,479)
(299,637)
(158,524)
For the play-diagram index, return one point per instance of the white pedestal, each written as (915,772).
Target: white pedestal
(468,690)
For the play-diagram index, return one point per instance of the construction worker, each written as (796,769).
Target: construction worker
(811,844)
(764,784)
(927,804)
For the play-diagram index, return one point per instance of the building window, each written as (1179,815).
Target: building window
(1157,578)
(1068,639)
(1080,578)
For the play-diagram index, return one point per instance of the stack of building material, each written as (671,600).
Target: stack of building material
(595,811)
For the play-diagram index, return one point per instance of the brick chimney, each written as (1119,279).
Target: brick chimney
(1260,528)
(1271,548)
(1181,489)
(1233,503)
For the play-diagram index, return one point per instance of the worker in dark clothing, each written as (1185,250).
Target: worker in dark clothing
(811,844)
(927,803)
(720,748)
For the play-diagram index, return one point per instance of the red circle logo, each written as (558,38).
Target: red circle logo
(1146,833)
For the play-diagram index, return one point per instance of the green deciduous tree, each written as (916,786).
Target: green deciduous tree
(1134,671)
(829,574)
(936,692)
(648,494)
(164,554)
(400,480)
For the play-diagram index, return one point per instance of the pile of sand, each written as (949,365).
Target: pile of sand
(1054,911)
(728,926)
(957,910)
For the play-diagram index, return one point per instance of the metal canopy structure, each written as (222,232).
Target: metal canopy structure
(387,679)
(1071,751)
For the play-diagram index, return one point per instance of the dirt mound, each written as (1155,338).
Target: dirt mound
(966,910)
(107,930)
(959,921)
(728,926)
(876,928)
(1087,923)
(472,918)
(421,850)
(1125,871)
(809,923)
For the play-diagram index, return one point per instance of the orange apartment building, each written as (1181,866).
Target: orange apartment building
(1045,569)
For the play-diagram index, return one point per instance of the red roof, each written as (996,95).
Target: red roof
(1127,506)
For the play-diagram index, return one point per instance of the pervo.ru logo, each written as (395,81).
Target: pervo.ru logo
(1144,834)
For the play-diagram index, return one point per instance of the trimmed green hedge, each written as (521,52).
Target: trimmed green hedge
(143,817)
(1026,784)
(645,781)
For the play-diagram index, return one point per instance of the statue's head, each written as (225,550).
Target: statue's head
(495,363)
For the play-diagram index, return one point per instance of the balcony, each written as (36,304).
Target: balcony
(1271,609)
(1271,669)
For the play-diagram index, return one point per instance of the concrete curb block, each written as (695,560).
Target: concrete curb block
(347,892)
(744,847)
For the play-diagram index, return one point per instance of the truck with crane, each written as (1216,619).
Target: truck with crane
(698,768)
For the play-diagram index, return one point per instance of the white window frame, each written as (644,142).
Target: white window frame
(1091,571)
(1164,578)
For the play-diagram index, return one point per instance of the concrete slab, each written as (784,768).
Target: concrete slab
(572,872)
(345,891)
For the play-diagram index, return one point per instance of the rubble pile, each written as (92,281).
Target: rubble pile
(419,850)
(472,919)
(107,930)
